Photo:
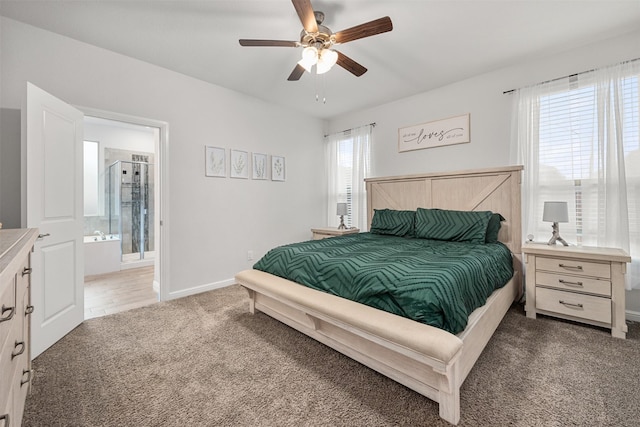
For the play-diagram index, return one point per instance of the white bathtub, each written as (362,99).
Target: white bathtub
(101,256)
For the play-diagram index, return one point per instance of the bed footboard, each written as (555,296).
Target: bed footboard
(421,357)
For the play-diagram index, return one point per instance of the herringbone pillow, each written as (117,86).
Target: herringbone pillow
(450,225)
(493,228)
(392,222)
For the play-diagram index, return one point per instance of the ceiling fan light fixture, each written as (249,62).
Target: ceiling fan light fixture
(310,54)
(327,59)
(309,58)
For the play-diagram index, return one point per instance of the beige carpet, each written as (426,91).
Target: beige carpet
(205,361)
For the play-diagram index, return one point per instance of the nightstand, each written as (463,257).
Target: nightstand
(323,233)
(579,283)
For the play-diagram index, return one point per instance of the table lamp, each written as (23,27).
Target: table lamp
(342,211)
(556,212)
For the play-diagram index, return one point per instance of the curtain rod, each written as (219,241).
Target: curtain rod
(569,76)
(347,130)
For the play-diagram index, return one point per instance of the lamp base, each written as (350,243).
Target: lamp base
(555,237)
(342,226)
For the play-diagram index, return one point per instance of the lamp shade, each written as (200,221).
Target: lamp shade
(309,58)
(555,212)
(342,209)
(326,60)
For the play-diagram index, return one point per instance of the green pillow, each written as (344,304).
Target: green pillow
(454,226)
(493,228)
(392,222)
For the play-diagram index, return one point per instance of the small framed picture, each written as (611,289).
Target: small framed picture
(215,163)
(278,171)
(239,164)
(259,164)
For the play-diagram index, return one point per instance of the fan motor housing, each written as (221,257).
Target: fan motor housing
(324,36)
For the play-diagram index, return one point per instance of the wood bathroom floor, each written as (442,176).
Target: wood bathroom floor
(119,291)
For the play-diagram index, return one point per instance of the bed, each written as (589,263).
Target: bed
(427,359)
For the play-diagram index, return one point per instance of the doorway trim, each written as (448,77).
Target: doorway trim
(162,258)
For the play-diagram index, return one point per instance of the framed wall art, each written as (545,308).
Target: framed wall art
(239,164)
(259,163)
(215,163)
(278,170)
(454,130)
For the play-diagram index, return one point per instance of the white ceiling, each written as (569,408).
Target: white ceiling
(433,43)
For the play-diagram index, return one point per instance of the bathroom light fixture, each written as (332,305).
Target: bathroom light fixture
(556,212)
(342,211)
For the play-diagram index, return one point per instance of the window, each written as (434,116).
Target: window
(569,135)
(579,140)
(348,166)
(91,178)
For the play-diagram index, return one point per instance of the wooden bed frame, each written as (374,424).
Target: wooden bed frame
(428,360)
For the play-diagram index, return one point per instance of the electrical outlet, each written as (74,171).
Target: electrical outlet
(249,255)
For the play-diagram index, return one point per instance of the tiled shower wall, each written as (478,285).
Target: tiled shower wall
(130,220)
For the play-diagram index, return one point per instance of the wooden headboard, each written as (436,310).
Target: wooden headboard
(494,189)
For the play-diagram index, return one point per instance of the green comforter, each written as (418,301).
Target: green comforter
(433,282)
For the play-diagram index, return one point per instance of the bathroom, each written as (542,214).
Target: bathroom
(120,197)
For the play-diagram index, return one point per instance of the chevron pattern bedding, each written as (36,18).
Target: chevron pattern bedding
(438,283)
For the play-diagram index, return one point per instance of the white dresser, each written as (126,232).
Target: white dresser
(580,283)
(15,309)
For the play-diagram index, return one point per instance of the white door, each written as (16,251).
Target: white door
(54,204)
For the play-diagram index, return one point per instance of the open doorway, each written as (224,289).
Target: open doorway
(121,226)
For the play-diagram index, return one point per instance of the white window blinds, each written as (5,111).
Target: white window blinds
(578,138)
(348,166)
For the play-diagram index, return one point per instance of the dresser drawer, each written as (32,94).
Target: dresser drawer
(574,283)
(573,304)
(8,363)
(8,305)
(574,266)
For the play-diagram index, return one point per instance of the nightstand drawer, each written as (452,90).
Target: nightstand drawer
(574,283)
(574,266)
(573,304)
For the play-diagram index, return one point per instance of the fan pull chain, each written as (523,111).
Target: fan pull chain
(322,91)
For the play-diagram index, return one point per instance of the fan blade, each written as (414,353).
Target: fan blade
(350,65)
(281,43)
(296,73)
(307,17)
(371,28)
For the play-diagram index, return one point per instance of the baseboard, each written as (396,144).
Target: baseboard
(136,264)
(200,289)
(633,316)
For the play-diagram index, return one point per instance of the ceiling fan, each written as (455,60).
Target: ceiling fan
(318,41)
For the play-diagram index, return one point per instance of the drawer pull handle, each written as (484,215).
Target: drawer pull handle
(5,417)
(25,371)
(15,353)
(41,236)
(568,283)
(570,267)
(570,304)
(11,311)
(26,270)
(28,310)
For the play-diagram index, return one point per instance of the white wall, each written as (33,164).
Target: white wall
(213,221)
(111,134)
(481,96)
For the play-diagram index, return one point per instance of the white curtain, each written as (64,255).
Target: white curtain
(347,167)
(574,136)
